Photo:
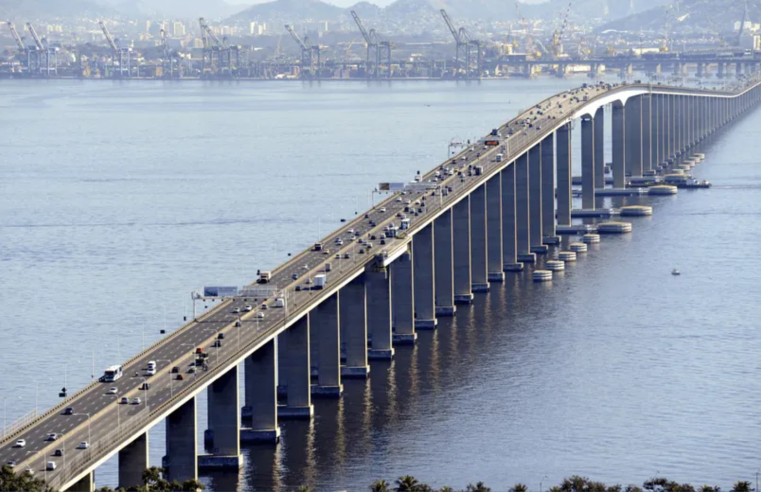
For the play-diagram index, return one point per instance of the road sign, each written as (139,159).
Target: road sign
(227,291)
(390,186)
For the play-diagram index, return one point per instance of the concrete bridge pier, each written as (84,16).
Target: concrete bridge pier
(463,289)
(326,323)
(587,162)
(298,370)
(444,264)
(654,132)
(720,70)
(548,191)
(509,239)
(425,279)
(87,484)
(563,150)
(403,299)
(181,460)
(495,264)
(478,240)
(223,434)
(378,285)
(599,144)
(647,102)
(634,136)
(535,200)
(353,319)
(261,395)
(522,205)
(133,461)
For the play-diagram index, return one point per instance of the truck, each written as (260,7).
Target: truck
(264,277)
(500,157)
(280,302)
(479,170)
(328,267)
(319,281)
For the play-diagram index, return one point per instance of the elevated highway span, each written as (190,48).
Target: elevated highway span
(486,211)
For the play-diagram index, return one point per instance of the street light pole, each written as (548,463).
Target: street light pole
(89,435)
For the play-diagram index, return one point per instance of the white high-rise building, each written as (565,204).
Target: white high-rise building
(178,29)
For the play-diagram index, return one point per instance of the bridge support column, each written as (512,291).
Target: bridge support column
(403,299)
(548,190)
(587,162)
(378,285)
(535,200)
(444,264)
(463,290)
(563,149)
(224,423)
(325,320)
(85,484)
(522,210)
(599,148)
(495,264)
(634,136)
(425,279)
(298,369)
(655,121)
(261,395)
(509,243)
(646,133)
(478,241)
(181,460)
(618,144)
(133,461)
(353,319)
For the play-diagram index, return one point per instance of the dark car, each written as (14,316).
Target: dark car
(58,452)
(221,336)
(68,411)
(180,377)
(383,241)
(175,370)
(146,386)
(373,238)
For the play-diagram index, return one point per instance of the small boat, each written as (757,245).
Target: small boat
(674,272)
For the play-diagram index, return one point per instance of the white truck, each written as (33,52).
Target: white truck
(319,281)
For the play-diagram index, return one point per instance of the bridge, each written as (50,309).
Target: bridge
(488,210)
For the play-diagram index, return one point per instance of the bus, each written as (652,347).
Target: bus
(112,374)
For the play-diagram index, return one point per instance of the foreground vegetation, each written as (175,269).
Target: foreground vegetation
(153,480)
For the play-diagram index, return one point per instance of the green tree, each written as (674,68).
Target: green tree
(742,487)
(379,486)
(519,487)
(478,487)
(709,488)
(406,483)
(24,481)
(446,489)
(633,488)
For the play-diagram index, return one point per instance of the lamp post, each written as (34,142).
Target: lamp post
(541,482)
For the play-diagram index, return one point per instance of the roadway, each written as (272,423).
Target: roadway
(99,416)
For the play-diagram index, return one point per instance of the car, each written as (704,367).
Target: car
(124,401)
(151,371)
(175,370)
(51,437)
(68,411)
(50,465)
(58,452)
(237,324)
(113,391)
(19,443)
(145,386)
(180,377)
(151,363)
(264,306)
(369,245)
(260,314)
(339,241)
(367,216)
(192,370)
(11,464)
(236,310)
(382,210)
(383,241)
(361,251)
(398,199)
(249,307)
(373,238)
(347,256)
(136,400)
(338,256)
(407,202)
(298,287)
(350,231)
(217,343)
(29,470)
(221,336)
(83,445)
(309,281)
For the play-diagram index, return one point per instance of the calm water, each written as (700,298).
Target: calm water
(117,200)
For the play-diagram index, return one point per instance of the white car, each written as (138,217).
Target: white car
(83,445)
(113,391)
(29,470)
(50,465)
(382,210)
(248,308)
(260,314)
(236,310)
(136,401)
(11,464)
(151,371)
(20,443)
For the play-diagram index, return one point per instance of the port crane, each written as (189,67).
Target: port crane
(382,47)
(557,36)
(23,53)
(465,43)
(307,53)
(41,52)
(217,54)
(121,55)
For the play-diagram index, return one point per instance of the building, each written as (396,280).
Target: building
(178,29)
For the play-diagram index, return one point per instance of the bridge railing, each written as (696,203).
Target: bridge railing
(19,423)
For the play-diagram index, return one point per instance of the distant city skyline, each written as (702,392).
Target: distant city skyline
(338,3)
